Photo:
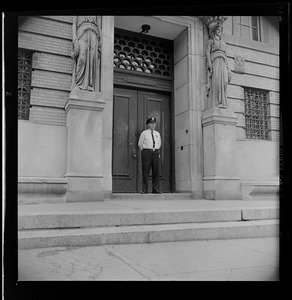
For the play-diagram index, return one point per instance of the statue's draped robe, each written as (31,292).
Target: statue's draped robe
(85,70)
(218,78)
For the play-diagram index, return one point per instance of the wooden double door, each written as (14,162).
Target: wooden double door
(131,109)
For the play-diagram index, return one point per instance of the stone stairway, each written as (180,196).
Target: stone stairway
(128,221)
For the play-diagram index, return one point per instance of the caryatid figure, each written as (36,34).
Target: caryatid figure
(218,72)
(86,52)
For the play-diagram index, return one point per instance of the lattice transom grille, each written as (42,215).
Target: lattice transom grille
(142,54)
(256,114)
(24,83)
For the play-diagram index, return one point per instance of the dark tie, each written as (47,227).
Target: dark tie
(153,140)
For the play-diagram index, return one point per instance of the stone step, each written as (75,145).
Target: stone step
(79,219)
(95,236)
(150,196)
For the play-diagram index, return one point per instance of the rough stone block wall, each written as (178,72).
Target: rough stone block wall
(50,39)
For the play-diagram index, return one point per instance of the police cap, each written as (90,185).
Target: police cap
(151,120)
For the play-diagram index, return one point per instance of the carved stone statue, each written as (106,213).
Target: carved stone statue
(86,52)
(218,72)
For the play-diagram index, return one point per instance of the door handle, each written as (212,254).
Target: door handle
(133,151)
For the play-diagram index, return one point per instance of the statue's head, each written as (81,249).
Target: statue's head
(215,29)
(213,23)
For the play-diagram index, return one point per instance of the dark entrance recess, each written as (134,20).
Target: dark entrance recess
(131,109)
(142,89)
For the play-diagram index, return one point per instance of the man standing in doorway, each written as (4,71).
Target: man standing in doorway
(150,143)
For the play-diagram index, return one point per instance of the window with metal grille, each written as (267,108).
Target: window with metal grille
(24,83)
(137,52)
(249,27)
(256,114)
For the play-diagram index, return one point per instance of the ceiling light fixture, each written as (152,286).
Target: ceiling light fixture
(145,28)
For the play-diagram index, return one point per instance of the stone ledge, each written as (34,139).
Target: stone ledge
(32,190)
(83,175)
(260,182)
(42,180)
(222,194)
(260,214)
(259,190)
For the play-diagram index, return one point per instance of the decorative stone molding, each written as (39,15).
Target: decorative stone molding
(239,64)
(80,99)
(217,116)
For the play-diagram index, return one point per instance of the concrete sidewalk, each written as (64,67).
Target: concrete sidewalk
(214,260)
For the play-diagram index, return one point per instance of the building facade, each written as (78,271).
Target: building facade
(81,145)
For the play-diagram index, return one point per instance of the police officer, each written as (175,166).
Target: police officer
(149,143)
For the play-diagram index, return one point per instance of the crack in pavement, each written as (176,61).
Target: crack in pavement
(95,276)
(91,270)
(110,253)
(56,251)
(136,263)
(214,270)
(255,250)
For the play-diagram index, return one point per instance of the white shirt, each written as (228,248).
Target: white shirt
(146,142)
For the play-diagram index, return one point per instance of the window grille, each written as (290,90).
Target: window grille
(24,83)
(250,27)
(141,53)
(256,114)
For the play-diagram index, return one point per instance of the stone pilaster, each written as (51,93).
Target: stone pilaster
(189,95)
(220,181)
(84,146)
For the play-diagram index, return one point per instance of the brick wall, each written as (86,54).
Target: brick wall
(50,39)
(261,72)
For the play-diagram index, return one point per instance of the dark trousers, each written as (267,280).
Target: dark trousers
(150,159)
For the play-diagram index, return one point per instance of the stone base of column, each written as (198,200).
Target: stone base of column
(216,188)
(197,188)
(220,181)
(84,189)
(84,146)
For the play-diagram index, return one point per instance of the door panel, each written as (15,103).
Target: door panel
(131,110)
(124,141)
(157,105)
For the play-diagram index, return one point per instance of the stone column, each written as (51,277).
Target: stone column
(107,83)
(84,146)
(197,90)
(220,179)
